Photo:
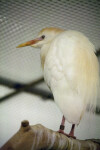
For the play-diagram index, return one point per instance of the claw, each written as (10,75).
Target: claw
(68,135)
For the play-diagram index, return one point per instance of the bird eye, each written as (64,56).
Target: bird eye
(43,36)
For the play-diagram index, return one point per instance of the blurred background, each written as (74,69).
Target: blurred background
(23,93)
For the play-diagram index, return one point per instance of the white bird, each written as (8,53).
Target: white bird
(71,71)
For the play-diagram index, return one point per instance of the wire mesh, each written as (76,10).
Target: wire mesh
(21,20)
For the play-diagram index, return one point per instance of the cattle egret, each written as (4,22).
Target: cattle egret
(70,69)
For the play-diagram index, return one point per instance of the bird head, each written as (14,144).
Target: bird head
(45,36)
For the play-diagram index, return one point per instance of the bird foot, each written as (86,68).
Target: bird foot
(68,135)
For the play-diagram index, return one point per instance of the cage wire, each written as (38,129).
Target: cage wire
(21,20)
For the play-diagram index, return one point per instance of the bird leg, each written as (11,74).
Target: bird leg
(62,127)
(71,134)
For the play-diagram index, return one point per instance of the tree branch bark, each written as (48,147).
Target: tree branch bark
(38,137)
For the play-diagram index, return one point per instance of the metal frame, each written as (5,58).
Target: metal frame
(19,87)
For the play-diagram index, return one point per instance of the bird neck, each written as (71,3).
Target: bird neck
(43,53)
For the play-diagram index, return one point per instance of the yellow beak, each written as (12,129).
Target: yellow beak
(29,43)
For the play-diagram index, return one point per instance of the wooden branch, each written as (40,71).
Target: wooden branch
(38,137)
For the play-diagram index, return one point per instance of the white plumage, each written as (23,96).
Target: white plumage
(70,70)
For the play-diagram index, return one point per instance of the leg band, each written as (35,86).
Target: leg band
(62,127)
